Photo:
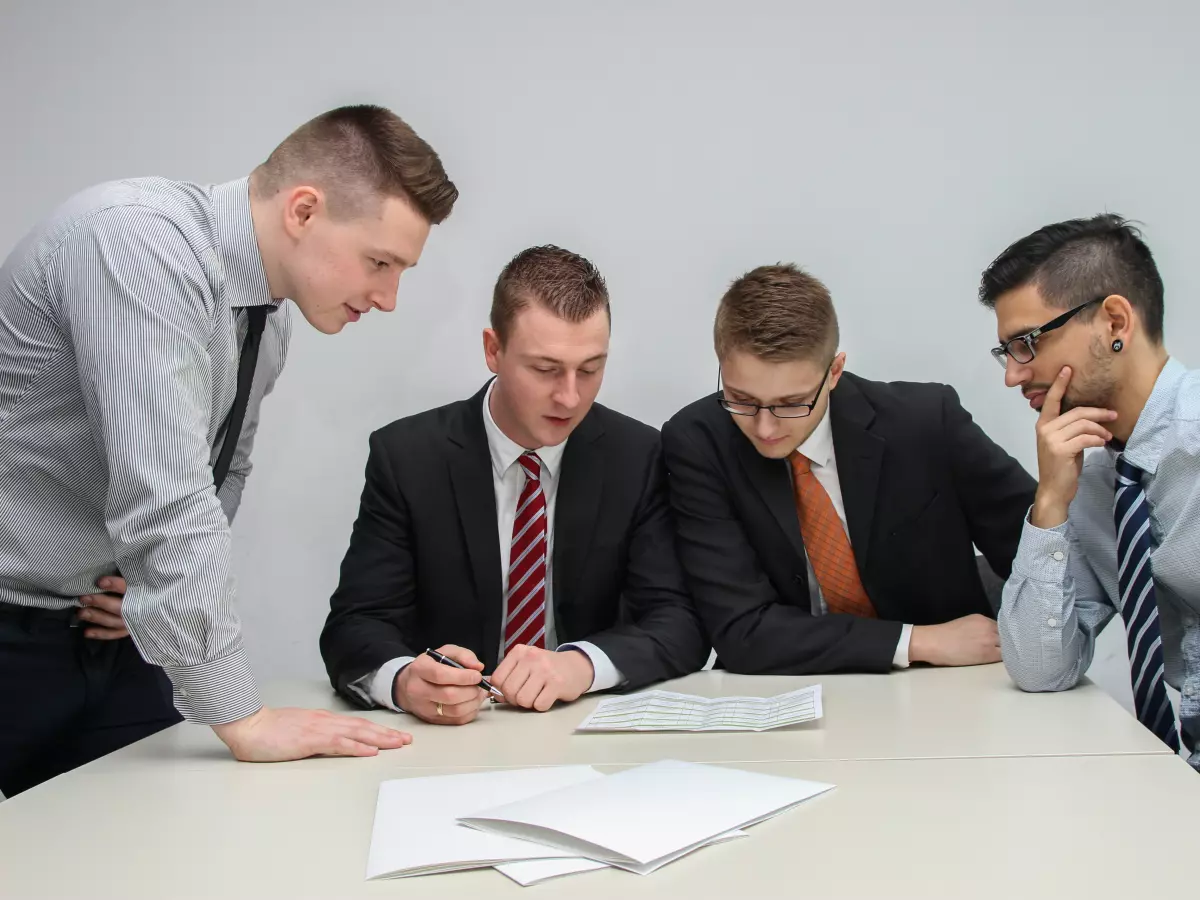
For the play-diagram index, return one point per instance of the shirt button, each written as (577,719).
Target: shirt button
(1052,622)
(1058,555)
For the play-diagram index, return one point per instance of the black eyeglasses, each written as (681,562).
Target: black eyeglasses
(1021,349)
(779,410)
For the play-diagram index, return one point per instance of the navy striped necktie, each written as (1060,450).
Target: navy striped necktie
(1139,609)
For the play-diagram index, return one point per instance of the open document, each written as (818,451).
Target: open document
(416,832)
(643,818)
(668,711)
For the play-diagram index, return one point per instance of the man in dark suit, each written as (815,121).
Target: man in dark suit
(827,530)
(526,530)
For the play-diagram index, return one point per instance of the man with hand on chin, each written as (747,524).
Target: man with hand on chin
(1115,524)
(524,531)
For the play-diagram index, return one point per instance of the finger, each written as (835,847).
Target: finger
(510,684)
(368,732)
(344,746)
(103,619)
(1083,442)
(106,634)
(1052,405)
(453,696)
(434,672)
(545,699)
(459,714)
(1093,413)
(506,666)
(462,656)
(1083,426)
(107,602)
(114,584)
(530,689)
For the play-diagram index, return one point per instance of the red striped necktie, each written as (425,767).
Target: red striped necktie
(525,602)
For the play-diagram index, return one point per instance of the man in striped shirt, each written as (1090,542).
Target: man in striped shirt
(141,325)
(1115,525)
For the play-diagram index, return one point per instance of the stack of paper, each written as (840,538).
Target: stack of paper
(416,830)
(538,870)
(643,818)
(534,824)
(668,711)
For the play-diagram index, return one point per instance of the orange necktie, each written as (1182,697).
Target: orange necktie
(828,548)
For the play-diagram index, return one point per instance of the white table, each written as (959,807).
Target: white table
(951,783)
(910,714)
(1096,827)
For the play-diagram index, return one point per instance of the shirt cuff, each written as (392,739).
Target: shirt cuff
(378,686)
(604,674)
(217,692)
(900,659)
(1043,553)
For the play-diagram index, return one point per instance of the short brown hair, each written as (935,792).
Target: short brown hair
(561,281)
(357,154)
(777,313)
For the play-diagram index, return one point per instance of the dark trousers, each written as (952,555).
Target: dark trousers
(66,700)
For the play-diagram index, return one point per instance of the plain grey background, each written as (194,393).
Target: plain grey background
(892,149)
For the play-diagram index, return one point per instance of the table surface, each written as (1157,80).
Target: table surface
(954,783)
(1096,827)
(910,714)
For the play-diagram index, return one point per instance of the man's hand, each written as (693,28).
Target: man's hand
(534,679)
(440,694)
(1061,440)
(103,611)
(970,641)
(275,735)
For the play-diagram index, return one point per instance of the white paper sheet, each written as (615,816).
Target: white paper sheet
(643,818)
(669,711)
(535,871)
(416,832)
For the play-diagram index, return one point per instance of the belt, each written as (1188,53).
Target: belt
(36,618)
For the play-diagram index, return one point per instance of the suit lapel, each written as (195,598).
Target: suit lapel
(475,496)
(581,484)
(859,455)
(770,479)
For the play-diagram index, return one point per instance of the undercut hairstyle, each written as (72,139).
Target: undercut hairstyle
(556,279)
(777,313)
(1079,260)
(359,156)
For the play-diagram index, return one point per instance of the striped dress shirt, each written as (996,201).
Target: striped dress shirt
(1064,587)
(121,320)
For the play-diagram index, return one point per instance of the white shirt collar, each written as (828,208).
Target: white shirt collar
(818,446)
(505,451)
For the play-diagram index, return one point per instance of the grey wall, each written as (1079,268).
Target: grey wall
(893,149)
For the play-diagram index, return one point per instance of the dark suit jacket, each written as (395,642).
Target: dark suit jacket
(423,568)
(920,482)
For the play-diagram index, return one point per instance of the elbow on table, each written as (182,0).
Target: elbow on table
(1034,677)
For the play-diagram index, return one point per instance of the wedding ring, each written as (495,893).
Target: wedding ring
(439,709)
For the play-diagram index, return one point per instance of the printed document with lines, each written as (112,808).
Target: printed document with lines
(668,711)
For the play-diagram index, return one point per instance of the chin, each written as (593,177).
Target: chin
(779,450)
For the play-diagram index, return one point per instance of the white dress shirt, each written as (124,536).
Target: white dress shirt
(508,478)
(818,449)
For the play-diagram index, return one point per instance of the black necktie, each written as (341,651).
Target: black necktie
(256,319)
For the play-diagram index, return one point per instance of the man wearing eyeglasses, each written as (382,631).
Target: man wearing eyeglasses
(1115,526)
(826,522)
